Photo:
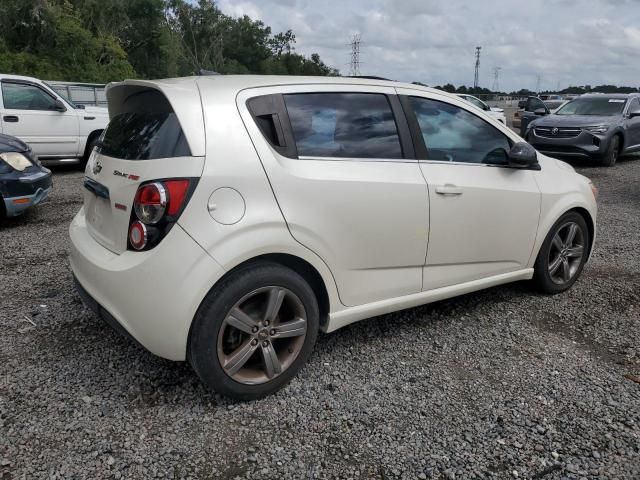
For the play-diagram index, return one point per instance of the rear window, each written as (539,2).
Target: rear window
(148,129)
(343,125)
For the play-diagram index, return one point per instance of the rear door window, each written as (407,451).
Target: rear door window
(343,125)
(147,129)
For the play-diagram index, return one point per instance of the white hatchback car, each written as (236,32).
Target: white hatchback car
(228,219)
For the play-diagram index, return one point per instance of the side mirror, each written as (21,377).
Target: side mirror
(523,155)
(540,111)
(80,106)
(59,106)
(634,113)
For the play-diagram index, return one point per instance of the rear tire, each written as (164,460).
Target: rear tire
(563,254)
(611,157)
(91,143)
(254,331)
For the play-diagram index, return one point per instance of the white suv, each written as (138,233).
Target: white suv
(57,130)
(227,219)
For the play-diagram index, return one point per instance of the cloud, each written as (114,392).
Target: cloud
(433,41)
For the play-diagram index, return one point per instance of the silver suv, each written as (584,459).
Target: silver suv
(597,126)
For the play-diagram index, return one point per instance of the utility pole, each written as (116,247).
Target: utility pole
(354,69)
(496,79)
(538,81)
(475,79)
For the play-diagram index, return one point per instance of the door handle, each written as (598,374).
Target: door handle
(449,189)
(10,118)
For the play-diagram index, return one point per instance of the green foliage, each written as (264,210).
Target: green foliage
(105,40)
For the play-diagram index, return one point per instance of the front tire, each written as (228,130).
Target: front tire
(254,331)
(611,157)
(563,254)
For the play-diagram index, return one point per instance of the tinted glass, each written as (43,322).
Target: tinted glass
(151,130)
(346,125)
(534,104)
(26,97)
(598,106)
(455,135)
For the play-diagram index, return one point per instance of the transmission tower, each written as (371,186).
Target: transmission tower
(354,69)
(475,79)
(538,80)
(496,79)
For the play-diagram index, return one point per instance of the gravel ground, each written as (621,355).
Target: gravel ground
(503,383)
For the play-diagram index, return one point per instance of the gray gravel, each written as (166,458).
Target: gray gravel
(503,383)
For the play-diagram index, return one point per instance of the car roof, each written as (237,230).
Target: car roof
(5,76)
(610,95)
(241,82)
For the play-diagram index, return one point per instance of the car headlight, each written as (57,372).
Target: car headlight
(597,129)
(16,160)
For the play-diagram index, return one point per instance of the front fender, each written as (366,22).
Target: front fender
(562,190)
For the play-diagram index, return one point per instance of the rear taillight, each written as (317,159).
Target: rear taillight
(150,203)
(138,235)
(156,208)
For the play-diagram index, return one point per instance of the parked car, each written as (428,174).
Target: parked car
(553,104)
(601,127)
(227,219)
(24,182)
(57,130)
(495,112)
(528,109)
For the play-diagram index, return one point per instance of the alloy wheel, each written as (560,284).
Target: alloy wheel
(262,335)
(566,252)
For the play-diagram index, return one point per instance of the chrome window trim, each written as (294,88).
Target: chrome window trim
(444,162)
(354,159)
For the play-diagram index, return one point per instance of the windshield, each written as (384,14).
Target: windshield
(604,107)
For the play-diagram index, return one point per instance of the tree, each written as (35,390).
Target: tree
(103,40)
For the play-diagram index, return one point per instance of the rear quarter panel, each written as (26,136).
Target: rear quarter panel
(232,162)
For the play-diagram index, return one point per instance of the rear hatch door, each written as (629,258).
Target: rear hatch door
(156,132)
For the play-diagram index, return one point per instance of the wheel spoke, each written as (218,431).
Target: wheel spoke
(240,320)
(566,272)
(239,357)
(553,266)
(274,302)
(575,252)
(270,360)
(571,235)
(557,242)
(295,328)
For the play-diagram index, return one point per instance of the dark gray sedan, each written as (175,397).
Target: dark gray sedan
(596,126)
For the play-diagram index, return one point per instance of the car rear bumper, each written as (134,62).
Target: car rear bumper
(584,145)
(151,296)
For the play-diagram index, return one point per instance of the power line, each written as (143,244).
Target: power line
(354,69)
(475,79)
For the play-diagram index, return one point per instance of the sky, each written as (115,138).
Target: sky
(565,42)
